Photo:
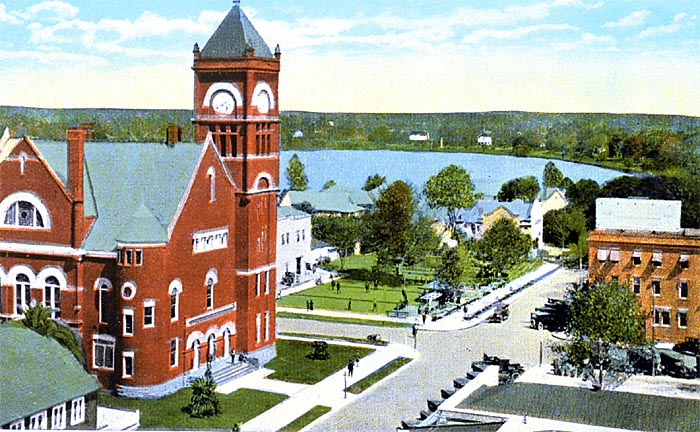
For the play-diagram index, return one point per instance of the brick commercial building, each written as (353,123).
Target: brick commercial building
(640,243)
(162,256)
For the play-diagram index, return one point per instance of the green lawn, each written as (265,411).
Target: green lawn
(377,376)
(306,419)
(166,413)
(343,320)
(295,366)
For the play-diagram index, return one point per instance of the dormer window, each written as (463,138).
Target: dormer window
(211,173)
(23,210)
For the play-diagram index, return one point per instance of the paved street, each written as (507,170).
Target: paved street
(444,356)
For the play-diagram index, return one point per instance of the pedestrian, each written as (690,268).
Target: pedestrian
(311,304)
(351,366)
(403,293)
(366,287)
(307,305)
(374,305)
(425,316)
(332,284)
(337,286)
(349,304)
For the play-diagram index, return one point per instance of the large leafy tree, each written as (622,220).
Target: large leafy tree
(452,265)
(564,226)
(343,232)
(583,194)
(296,175)
(451,189)
(502,246)
(391,224)
(603,317)
(552,177)
(38,318)
(524,188)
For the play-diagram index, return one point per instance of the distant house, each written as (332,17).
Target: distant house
(294,246)
(552,198)
(298,134)
(484,139)
(474,222)
(42,385)
(419,136)
(334,201)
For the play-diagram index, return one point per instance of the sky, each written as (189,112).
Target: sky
(619,56)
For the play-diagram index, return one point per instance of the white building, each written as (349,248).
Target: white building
(293,246)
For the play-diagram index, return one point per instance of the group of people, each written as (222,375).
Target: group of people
(352,364)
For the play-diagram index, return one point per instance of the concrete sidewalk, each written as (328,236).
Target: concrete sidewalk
(329,392)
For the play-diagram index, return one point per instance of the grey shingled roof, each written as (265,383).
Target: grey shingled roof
(233,37)
(133,188)
(334,199)
(37,374)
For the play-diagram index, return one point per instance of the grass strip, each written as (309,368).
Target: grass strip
(339,338)
(342,320)
(306,419)
(166,412)
(378,375)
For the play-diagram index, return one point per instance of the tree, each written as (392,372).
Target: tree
(343,232)
(373,182)
(552,177)
(329,184)
(501,247)
(583,194)
(603,317)
(390,226)
(295,174)
(524,188)
(452,265)
(451,189)
(579,250)
(38,318)
(564,226)
(204,401)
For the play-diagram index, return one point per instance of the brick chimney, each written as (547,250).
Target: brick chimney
(76,168)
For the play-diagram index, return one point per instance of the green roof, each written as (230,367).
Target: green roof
(37,373)
(578,405)
(233,37)
(285,212)
(333,200)
(133,188)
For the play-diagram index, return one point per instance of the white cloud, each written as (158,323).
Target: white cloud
(50,10)
(50,56)
(632,20)
(5,17)
(478,35)
(659,31)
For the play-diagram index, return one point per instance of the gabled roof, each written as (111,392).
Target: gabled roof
(286,212)
(134,189)
(548,191)
(233,37)
(37,374)
(335,199)
(483,207)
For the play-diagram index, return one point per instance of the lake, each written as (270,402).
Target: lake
(488,172)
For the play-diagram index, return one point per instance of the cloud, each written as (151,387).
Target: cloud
(55,11)
(6,17)
(659,31)
(50,56)
(478,35)
(632,20)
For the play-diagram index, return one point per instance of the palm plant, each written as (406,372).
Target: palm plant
(204,401)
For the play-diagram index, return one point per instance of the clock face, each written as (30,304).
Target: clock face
(223,102)
(263,101)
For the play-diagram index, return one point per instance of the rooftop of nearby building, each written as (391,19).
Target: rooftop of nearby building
(37,374)
(134,189)
(286,212)
(579,405)
(638,214)
(485,206)
(234,36)
(335,199)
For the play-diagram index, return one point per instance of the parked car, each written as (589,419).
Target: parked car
(690,346)
(500,313)
(547,321)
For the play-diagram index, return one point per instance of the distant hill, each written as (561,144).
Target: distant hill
(632,141)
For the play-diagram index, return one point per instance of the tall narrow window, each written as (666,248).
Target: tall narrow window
(210,293)
(23,293)
(637,285)
(211,173)
(258,327)
(656,286)
(257,284)
(683,289)
(103,303)
(52,296)
(682,318)
(267,282)
(267,325)
(128,321)
(127,364)
(149,312)
(58,417)
(173,305)
(173,352)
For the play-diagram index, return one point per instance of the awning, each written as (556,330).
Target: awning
(603,254)
(683,258)
(615,255)
(431,296)
(656,257)
(637,254)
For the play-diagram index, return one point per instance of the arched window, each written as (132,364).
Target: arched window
(211,173)
(174,291)
(210,293)
(52,296)
(23,293)
(23,210)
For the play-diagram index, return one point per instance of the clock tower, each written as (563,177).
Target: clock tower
(236,78)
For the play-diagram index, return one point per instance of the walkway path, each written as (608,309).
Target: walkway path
(329,392)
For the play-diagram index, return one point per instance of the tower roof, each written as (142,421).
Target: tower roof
(233,37)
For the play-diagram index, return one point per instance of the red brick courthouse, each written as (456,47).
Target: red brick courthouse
(161,256)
